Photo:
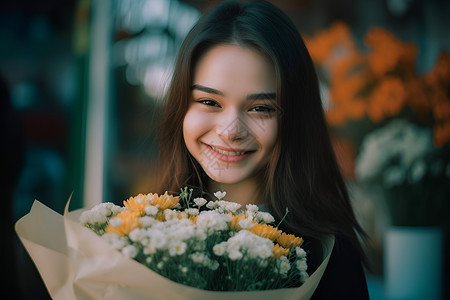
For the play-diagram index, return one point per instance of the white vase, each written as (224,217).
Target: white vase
(413,263)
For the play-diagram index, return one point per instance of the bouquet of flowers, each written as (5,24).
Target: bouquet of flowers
(215,245)
(168,247)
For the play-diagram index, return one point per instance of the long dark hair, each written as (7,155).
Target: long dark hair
(303,174)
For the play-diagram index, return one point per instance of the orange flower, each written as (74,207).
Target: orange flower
(129,220)
(387,99)
(166,201)
(265,231)
(388,52)
(278,251)
(137,203)
(289,240)
(441,134)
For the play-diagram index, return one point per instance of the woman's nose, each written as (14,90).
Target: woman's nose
(234,128)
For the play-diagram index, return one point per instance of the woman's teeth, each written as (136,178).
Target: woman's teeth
(229,153)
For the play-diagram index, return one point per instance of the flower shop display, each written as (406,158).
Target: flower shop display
(395,126)
(167,247)
(394,122)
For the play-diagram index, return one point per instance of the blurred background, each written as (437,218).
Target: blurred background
(81,84)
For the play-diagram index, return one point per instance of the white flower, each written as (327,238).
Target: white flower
(264,217)
(170,214)
(246,223)
(177,249)
(212,204)
(136,234)
(252,208)
(115,240)
(301,265)
(235,255)
(198,257)
(99,213)
(157,238)
(200,201)
(130,251)
(192,211)
(220,195)
(147,221)
(283,265)
(212,220)
(220,249)
(301,253)
(115,222)
(151,210)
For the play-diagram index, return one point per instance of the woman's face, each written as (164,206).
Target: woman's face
(230,127)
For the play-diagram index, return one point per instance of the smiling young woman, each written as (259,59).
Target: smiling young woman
(230,127)
(244,113)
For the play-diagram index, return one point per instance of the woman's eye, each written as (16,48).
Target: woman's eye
(263,109)
(209,102)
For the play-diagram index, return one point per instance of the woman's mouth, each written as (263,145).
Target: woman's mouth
(231,155)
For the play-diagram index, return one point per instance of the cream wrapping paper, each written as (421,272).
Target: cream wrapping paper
(75,263)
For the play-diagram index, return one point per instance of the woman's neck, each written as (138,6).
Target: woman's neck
(245,192)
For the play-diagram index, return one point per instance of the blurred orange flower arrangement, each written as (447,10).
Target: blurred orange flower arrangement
(390,125)
(382,82)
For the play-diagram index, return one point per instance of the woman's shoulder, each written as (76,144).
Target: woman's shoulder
(344,276)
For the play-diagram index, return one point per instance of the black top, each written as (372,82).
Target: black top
(344,277)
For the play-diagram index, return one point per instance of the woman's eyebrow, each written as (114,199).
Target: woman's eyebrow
(207,89)
(256,96)
(262,96)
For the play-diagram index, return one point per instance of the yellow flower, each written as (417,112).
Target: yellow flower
(289,240)
(278,251)
(166,201)
(129,220)
(265,231)
(137,203)
(234,223)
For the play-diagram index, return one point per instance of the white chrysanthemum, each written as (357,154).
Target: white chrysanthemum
(99,213)
(177,248)
(115,222)
(192,211)
(137,234)
(235,255)
(200,201)
(301,265)
(151,210)
(220,249)
(300,252)
(147,221)
(250,243)
(115,240)
(246,223)
(212,204)
(170,214)
(157,238)
(199,257)
(264,217)
(283,265)
(252,208)
(212,220)
(130,251)
(220,195)
(149,250)
(232,206)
